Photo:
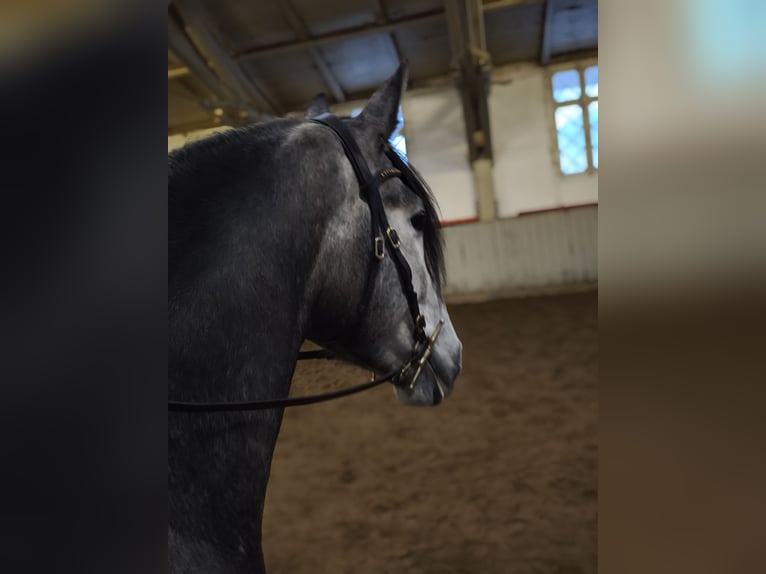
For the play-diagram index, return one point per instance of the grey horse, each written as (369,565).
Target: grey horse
(269,245)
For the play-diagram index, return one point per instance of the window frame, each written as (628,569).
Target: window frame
(583,101)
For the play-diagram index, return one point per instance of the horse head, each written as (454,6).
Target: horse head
(360,309)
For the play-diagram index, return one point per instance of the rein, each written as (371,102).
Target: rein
(384,238)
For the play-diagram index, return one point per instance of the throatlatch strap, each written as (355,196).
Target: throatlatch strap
(365,180)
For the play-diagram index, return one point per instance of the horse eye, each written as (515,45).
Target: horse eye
(419,221)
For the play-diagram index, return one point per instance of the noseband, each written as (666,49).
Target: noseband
(384,239)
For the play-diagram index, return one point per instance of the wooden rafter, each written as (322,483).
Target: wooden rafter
(302,33)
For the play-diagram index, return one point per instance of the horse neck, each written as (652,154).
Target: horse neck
(219,462)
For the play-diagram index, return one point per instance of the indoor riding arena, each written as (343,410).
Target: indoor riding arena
(500,118)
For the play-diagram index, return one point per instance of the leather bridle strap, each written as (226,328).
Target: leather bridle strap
(382,233)
(417,360)
(180,406)
(353,153)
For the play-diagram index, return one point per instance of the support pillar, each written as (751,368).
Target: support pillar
(484,184)
(472,65)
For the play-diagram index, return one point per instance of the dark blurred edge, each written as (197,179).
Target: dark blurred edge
(83,317)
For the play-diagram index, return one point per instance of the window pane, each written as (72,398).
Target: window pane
(571,139)
(566,85)
(591,81)
(399,144)
(397,138)
(593,119)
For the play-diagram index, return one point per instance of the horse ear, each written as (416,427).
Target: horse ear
(317,105)
(381,112)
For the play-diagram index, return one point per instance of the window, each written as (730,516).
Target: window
(397,138)
(575,114)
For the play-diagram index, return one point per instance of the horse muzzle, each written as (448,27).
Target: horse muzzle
(430,375)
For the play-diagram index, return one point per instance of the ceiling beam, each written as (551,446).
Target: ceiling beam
(585,54)
(195,21)
(545,47)
(381,18)
(499,4)
(302,32)
(472,63)
(178,72)
(386,27)
(195,65)
(179,43)
(359,32)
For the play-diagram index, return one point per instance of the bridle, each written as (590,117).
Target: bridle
(384,239)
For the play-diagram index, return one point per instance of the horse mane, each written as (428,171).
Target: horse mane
(224,155)
(224,150)
(433,242)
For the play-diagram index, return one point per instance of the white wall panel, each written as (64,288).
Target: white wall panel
(533,252)
(437,147)
(526,175)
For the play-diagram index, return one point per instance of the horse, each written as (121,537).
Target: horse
(274,240)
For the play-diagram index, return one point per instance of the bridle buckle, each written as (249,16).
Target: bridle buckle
(393,237)
(380,252)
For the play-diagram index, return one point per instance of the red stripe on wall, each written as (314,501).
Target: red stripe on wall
(561,208)
(448,222)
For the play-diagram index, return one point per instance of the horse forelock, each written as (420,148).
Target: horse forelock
(432,234)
